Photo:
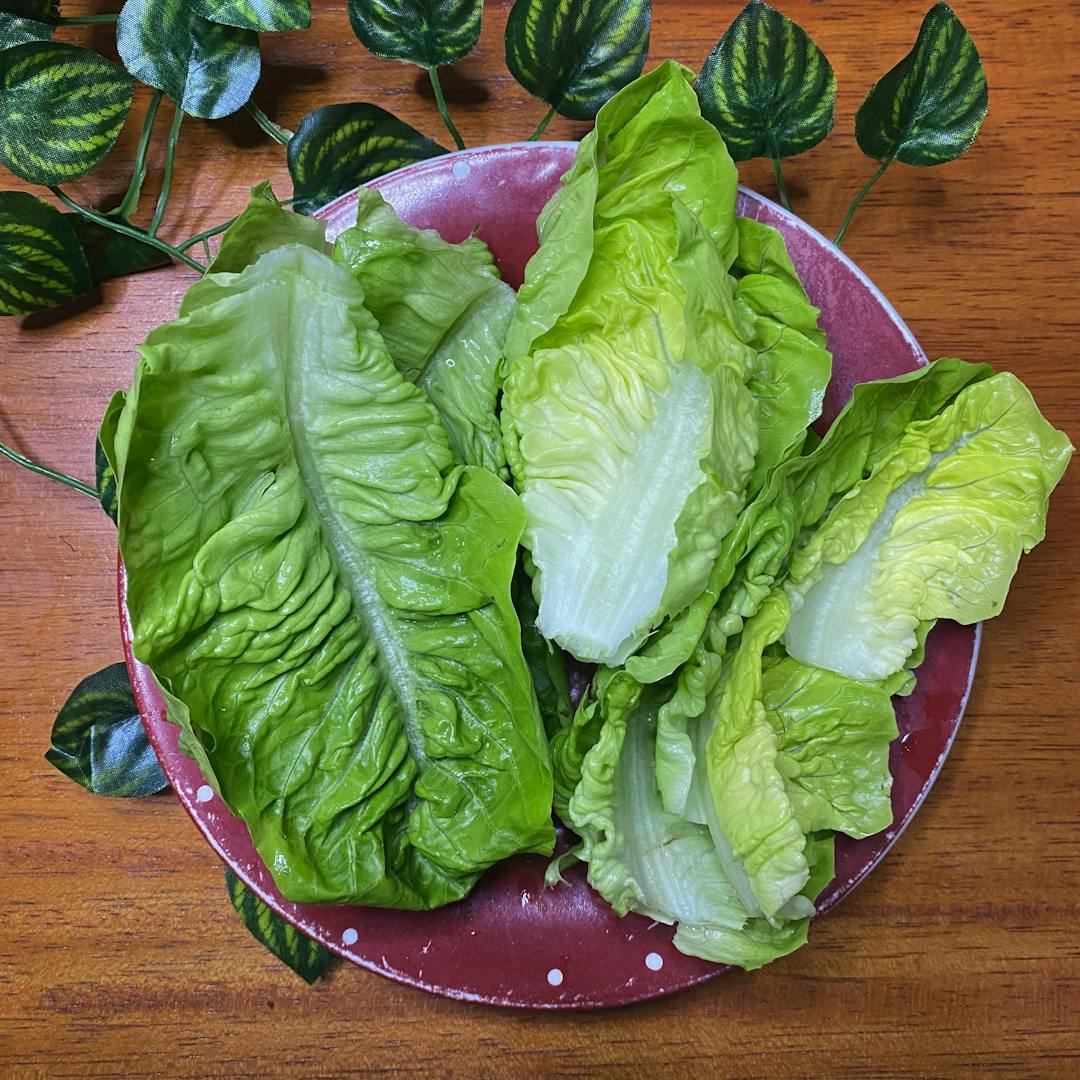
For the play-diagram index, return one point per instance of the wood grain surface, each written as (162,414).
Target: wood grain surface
(119,952)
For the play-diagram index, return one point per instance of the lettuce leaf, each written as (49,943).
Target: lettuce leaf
(832,740)
(443,312)
(934,531)
(628,425)
(666,866)
(324,593)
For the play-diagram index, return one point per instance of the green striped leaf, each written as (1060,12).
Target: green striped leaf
(98,739)
(929,108)
(208,69)
(424,32)
(574,54)
(766,87)
(41,261)
(111,254)
(104,473)
(257,14)
(306,957)
(61,109)
(27,20)
(339,147)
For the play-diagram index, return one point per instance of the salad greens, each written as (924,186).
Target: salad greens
(322,553)
(639,374)
(324,593)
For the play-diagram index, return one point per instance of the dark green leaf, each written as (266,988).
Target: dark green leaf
(766,87)
(99,741)
(547,662)
(208,69)
(306,957)
(574,54)
(257,14)
(104,473)
(105,456)
(424,32)
(41,261)
(61,108)
(27,20)
(339,147)
(929,108)
(105,481)
(111,254)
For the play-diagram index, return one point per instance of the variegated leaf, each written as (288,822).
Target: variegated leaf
(27,20)
(61,109)
(306,957)
(575,54)
(424,32)
(767,87)
(257,14)
(208,69)
(339,147)
(98,739)
(929,108)
(41,262)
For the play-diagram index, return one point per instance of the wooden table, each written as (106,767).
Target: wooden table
(119,952)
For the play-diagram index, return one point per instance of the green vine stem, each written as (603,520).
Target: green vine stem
(277,133)
(87,20)
(781,187)
(542,126)
(444,112)
(859,198)
(52,474)
(166,179)
(131,196)
(127,230)
(201,238)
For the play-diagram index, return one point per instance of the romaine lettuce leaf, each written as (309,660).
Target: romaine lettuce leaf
(263,225)
(327,593)
(832,737)
(934,531)
(443,312)
(666,866)
(628,425)
(796,496)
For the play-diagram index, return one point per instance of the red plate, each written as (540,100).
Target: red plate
(512,942)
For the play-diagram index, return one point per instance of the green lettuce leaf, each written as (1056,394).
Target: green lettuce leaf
(443,312)
(324,594)
(629,428)
(934,531)
(749,795)
(792,366)
(666,866)
(832,736)
(263,225)
(796,496)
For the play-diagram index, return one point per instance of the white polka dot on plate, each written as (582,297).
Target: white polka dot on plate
(350,936)
(654,961)
(204,794)
(555,977)
(461,170)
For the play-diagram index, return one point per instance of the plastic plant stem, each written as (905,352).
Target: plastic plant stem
(444,112)
(42,470)
(127,230)
(166,179)
(130,201)
(781,187)
(277,133)
(859,198)
(542,125)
